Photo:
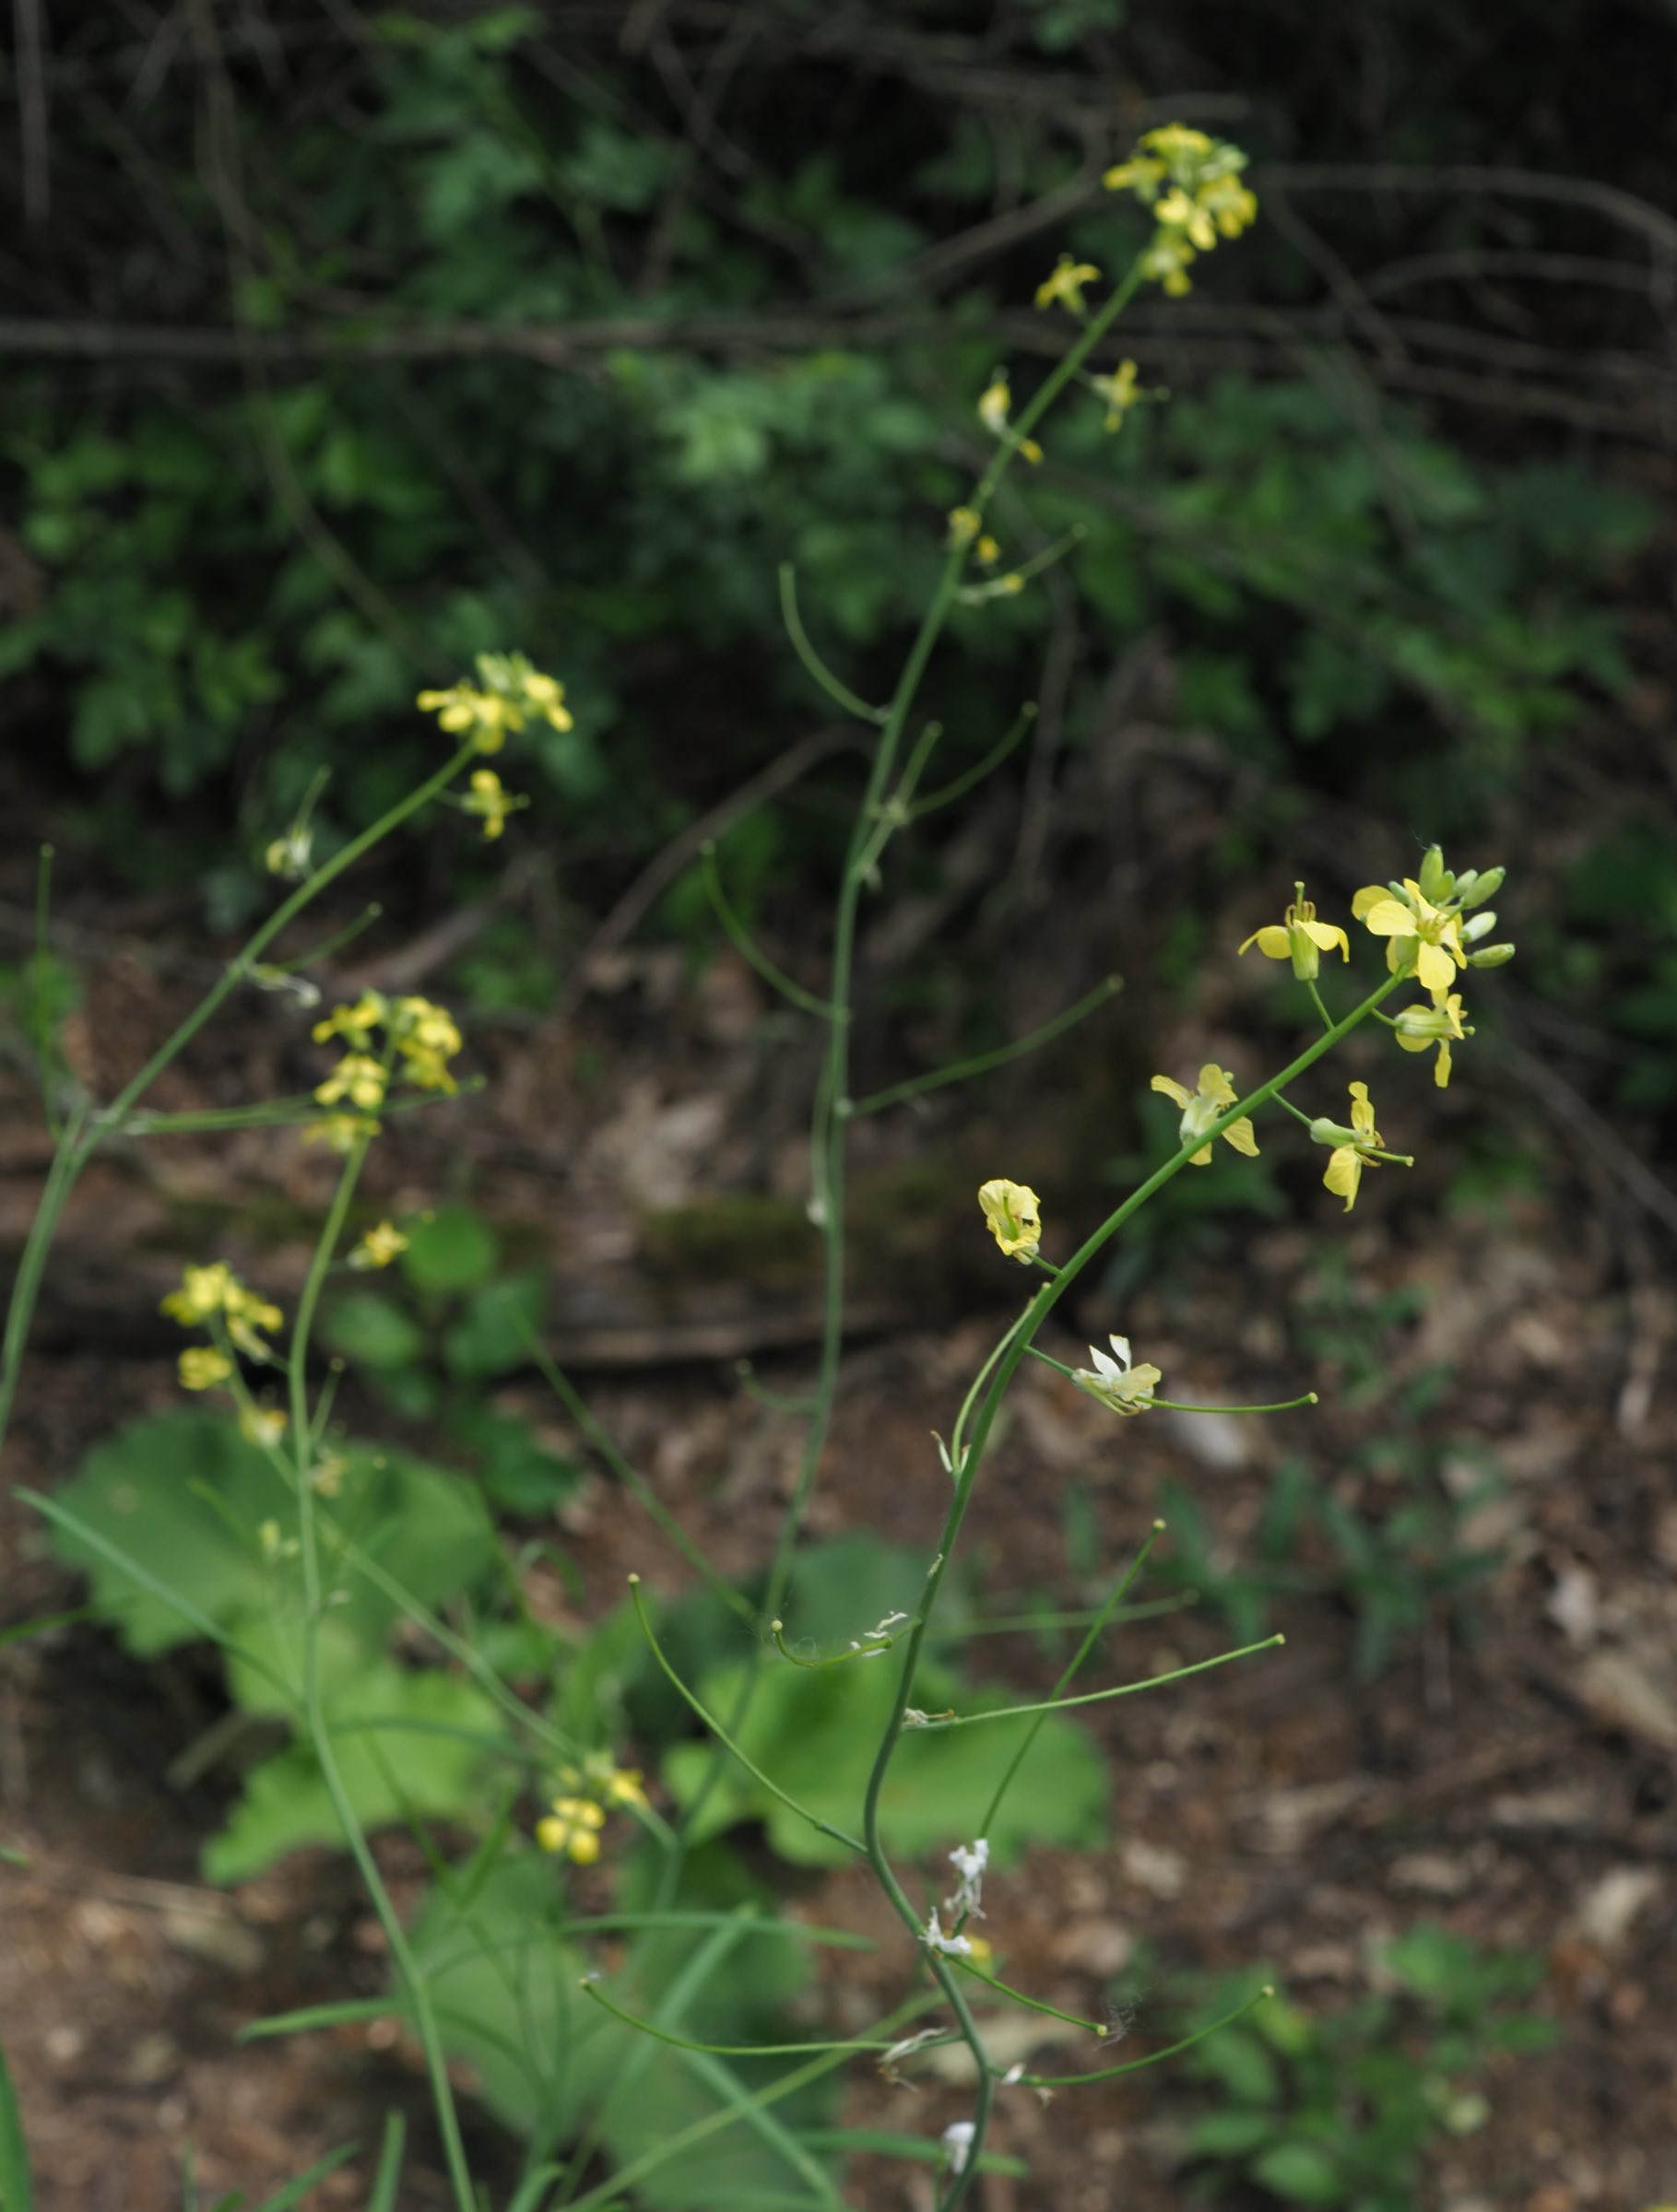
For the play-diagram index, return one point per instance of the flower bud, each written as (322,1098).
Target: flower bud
(1484,887)
(1324,1132)
(1436,882)
(1479,926)
(1493,956)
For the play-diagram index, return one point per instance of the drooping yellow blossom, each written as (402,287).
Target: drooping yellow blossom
(1065,286)
(379,1246)
(339,1130)
(572,1827)
(1201,1108)
(1418,1027)
(263,1424)
(1300,937)
(427,1038)
(202,1366)
(993,408)
(1014,1214)
(1424,940)
(1116,1380)
(1352,1149)
(1119,391)
(208,1293)
(490,798)
(508,693)
(357,1078)
(354,1024)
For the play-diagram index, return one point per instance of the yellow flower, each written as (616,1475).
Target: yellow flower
(354,1024)
(427,1037)
(983,1953)
(289,856)
(1065,287)
(357,1078)
(993,407)
(490,798)
(964,522)
(623,1787)
(1352,1147)
(1300,937)
(573,1828)
(379,1246)
(1201,1108)
(1425,940)
(1179,213)
(1137,174)
(1418,1027)
(547,697)
(1119,392)
(1167,260)
(1115,1381)
(202,1367)
(462,708)
(1176,141)
(245,1314)
(326,1476)
(339,1130)
(987,551)
(1014,1214)
(203,1292)
(261,1425)
(1229,203)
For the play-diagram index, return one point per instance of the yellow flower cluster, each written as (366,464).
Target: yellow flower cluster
(589,1793)
(420,1039)
(379,1246)
(1191,182)
(508,694)
(214,1298)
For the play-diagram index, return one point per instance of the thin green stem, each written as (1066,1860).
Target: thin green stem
(959,1071)
(1018,1996)
(746,946)
(1315,1000)
(840,693)
(68,1157)
(969,778)
(44,1055)
(424,2018)
(591,1988)
(1135,2065)
(1281,1406)
(725,1739)
(1092,1697)
(335,943)
(1096,1630)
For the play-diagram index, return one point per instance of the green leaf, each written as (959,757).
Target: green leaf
(404,1744)
(1231,2134)
(454,1250)
(492,1335)
(1301,2172)
(371,1331)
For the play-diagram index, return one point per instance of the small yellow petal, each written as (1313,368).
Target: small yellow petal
(1243,1136)
(1369,896)
(1441,1066)
(1344,1173)
(1387,919)
(1271,941)
(1329,935)
(1215,1084)
(1434,968)
(1171,1090)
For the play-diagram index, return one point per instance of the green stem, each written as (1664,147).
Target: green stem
(419,1993)
(591,1988)
(1018,1996)
(68,1159)
(958,786)
(960,1070)
(1135,2065)
(1093,1697)
(43,1010)
(746,946)
(811,660)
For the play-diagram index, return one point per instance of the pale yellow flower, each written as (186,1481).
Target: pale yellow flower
(1119,391)
(246,1313)
(1352,1147)
(1137,173)
(993,408)
(964,522)
(263,1424)
(1177,210)
(547,698)
(1014,1214)
(490,798)
(1424,939)
(1301,938)
(1116,1380)
(357,1078)
(354,1024)
(202,1366)
(572,1827)
(1201,1108)
(379,1246)
(339,1130)
(1417,1028)
(203,1292)
(1065,286)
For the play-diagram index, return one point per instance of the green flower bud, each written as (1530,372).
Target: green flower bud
(1479,926)
(1484,887)
(1493,956)
(1436,882)
(1324,1132)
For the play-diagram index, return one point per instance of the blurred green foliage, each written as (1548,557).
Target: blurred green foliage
(1342,2108)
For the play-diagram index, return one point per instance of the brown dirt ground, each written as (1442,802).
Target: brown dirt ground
(1517,1785)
